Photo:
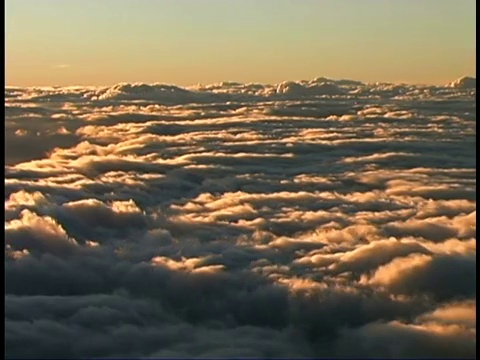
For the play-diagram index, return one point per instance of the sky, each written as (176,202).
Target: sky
(186,42)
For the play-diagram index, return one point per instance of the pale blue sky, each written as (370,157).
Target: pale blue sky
(101,42)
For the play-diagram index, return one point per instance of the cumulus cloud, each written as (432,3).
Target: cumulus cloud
(312,218)
(465,82)
(447,332)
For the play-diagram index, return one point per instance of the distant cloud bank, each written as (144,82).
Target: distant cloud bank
(464,83)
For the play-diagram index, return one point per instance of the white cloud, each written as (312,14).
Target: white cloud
(465,82)
(313,218)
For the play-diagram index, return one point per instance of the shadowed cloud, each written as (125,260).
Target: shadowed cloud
(320,218)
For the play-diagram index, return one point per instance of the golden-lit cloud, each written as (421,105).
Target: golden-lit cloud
(318,218)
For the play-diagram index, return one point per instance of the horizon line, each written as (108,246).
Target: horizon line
(243,83)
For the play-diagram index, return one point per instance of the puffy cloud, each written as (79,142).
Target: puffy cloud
(94,213)
(465,82)
(38,233)
(296,89)
(442,276)
(448,332)
(317,218)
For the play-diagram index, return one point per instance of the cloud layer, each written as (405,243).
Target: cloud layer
(303,219)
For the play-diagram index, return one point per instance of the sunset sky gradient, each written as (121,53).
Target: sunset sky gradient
(92,42)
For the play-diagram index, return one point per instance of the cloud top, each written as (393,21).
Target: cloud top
(313,218)
(465,82)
